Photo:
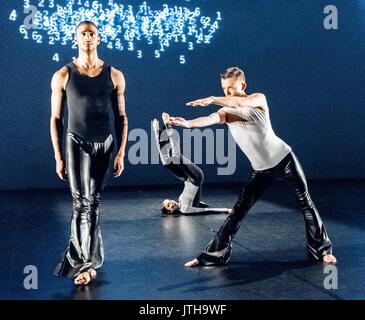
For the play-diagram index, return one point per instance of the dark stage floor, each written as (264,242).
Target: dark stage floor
(145,252)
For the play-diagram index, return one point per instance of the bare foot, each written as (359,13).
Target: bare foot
(155,124)
(329,258)
(192,263)
(92,273)
(85,277)
(82,279)
(165,117)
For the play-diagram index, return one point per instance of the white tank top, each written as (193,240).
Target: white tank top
(256,138)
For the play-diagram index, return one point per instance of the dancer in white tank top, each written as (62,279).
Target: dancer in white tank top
(255,136)
(248,119)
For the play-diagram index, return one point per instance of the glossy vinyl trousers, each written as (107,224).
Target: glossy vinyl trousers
(87,164)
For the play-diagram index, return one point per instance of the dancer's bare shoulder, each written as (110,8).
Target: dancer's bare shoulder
(59,78)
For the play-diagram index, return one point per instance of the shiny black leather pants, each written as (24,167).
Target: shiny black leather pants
(185,170)
(218,250)
(87,164)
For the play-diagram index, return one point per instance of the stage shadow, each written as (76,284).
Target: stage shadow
(89,292)
(240,273)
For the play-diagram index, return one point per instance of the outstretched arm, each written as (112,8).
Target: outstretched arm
(120,119)
(215,118)
(195,210)
(257,100)
(56,121)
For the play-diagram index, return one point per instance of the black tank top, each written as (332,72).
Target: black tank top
(89,103)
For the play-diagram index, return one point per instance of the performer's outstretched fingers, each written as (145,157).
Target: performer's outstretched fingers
(193,103)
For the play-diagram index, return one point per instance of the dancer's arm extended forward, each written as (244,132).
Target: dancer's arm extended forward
(215,118)
(256,100)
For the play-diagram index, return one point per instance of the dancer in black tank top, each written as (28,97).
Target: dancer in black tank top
(88,103)
(91,89)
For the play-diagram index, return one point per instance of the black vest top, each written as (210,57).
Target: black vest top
(89,103)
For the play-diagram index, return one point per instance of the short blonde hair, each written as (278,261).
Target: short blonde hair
(233,72)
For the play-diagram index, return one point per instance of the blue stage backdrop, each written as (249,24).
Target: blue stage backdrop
(173,51)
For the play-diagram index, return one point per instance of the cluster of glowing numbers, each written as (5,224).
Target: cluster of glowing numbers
(140,29)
